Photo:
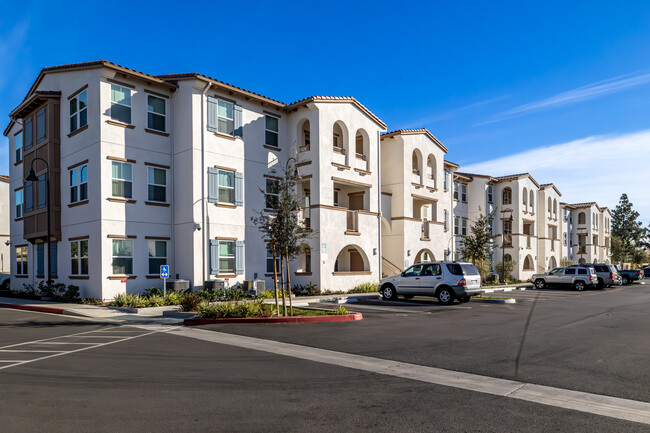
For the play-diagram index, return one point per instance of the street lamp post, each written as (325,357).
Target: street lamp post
(31,177)
(503,249)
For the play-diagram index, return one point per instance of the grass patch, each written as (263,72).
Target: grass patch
(255,308)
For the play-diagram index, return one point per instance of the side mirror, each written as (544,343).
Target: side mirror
(401,274)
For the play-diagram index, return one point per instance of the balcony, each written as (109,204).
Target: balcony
(352,226)
(338,155)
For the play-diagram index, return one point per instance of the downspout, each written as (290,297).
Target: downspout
(451,216)
(171,170)
(379,201)
(205,230)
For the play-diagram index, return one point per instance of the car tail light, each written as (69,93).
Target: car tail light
(611,275)
(462,282)
(591,277)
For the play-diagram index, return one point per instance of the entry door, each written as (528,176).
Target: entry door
(356,261)
(430,278)
(356,201)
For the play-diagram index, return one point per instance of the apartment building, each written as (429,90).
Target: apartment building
(415,199)
(588,234)
(140,170)
(5,251)
(148,170)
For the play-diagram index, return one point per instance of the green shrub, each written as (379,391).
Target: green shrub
(29,290)
(238,309)
(234,294)
(310,289)
(71,294)
(90,301)
(154,301)
(153,291)
(190,302)
(341,311)
(174,298)
(208,294)
(45,289)
(269,294)
(5,284)
(365,288)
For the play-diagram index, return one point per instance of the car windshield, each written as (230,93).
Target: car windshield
(462,269)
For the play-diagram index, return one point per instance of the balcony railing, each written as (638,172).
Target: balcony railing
(352,221)
(339,150)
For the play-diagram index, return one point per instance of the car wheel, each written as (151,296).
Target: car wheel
(540,284)
(625,281)
(388,292)
(601,284)
(445,296)
(579,286)
(464,299)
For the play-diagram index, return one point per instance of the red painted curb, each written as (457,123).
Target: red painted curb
(32,308)
(300,319)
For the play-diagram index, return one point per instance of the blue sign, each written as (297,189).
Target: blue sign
(164,271)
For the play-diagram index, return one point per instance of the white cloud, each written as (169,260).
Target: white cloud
(598,168)
(590,91)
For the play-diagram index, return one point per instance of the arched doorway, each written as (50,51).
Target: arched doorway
(351,258)
(528,263)
(552,263)
(424,255)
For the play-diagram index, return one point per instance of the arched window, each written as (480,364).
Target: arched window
(507,258)
(431,169)
(550,206)
(524,197)
(506,196)
(415,163)
(582,218)
(555,208)
(361,145)
(531,202)
(528,263)
(304,136)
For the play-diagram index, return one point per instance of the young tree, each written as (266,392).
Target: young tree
(282,227)
(627,228)
(505,268)
(478,245)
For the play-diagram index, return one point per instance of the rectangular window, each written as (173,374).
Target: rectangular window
(226,257)
(120,103)
(455,190)
(122,177)
(227,186)
(122,257)
(271,131)
(269,259)
(157,178)
(225,119)
(157,256)
(336,197)
(19,203)
(29,132)
(29,196)
(19,147)
(565,237)
(464,227)
(79,184)
(156,113)
(40,260)
(446,220)
(41,125)
(78,111)
(272,193)
(42,191)
(446,183)
(463,192)
(490,196)
(79,257)
(336,139)
(456,225)
(21,261)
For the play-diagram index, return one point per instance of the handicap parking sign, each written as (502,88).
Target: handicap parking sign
(164,271)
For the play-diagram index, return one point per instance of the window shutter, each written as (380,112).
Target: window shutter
(52,257)
(213,185)
(239,130)
(239,257)
(446,219)
(239,188)
(40,259)
(212,113)
(214,257)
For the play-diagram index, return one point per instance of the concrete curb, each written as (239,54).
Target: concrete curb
(33,308)
(146,309)
(495,301)
(508,289)
(301,319)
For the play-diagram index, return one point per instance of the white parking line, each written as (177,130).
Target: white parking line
(30,351)
(48,339)
(613,407)
(65,342)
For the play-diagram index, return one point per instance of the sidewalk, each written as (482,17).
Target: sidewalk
(88,311)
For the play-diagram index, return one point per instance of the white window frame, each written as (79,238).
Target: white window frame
(226,187)
(232,119)
(219,256)
(20,207)
(151,182)
(269,259)
(267,193)
(113,257)
(456,225)
(116,179)
(463,227)
(24,260)
(78,260)
(490,194)
(463,192)
(130,106)
(456,190)
(164,116)
(76,186)
(277,133)
(77,113)
(18,146)
(152,242)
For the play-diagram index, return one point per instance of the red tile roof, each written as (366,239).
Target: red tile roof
(424,131)
(4,178)
(349,99)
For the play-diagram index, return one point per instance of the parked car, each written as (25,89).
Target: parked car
(607,274)
(630,275)
(646,271)
(444,280)
(579,278)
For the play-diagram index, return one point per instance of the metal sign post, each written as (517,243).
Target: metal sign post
(164,274)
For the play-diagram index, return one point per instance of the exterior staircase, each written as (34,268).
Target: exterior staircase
(389,269)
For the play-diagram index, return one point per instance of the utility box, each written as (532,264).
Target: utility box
(178,285)
(255,287)
(215,284)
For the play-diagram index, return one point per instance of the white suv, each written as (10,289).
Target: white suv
(444,280)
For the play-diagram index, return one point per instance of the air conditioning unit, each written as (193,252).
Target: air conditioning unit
(215,284)
(255,287)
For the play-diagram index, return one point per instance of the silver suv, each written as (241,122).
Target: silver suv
(579,278)
(444,280)
(607,274)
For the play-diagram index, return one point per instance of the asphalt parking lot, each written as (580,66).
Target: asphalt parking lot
(153,378)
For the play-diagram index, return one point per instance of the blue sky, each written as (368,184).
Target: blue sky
(492,80)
